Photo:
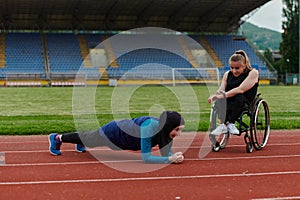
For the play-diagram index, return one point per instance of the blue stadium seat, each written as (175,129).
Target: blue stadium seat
(63,53)
(225,46)
(24,53)
(142,57)
(93,40)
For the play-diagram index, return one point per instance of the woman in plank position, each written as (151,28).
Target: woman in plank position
(135,134)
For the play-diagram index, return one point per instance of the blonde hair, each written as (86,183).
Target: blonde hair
(241,55)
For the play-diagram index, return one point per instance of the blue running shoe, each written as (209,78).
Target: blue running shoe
(80,148)
(54,145)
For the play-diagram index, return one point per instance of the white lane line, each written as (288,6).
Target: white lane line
(249,157)
(23,142)
(140,161)
(183,137)
(147,178)
(174,147)
(278,198)
(54,163)
(177,140)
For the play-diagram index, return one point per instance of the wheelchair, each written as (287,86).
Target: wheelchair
(254,121)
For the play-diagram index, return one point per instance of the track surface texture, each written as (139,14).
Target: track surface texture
(28,171)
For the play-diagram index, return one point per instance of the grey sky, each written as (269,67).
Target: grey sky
(268,16)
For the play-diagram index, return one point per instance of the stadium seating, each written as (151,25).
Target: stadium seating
(93,40)
(226,45)
(53,53)
(94,71)
(138,51)
(63,53)
(24,53)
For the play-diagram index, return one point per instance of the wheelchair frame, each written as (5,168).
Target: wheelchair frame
(256,133)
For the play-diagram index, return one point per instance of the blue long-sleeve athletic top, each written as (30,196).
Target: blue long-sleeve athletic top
(135,134)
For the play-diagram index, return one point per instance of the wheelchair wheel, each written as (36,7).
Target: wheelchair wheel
(218,142)
(260,126)
(249,148)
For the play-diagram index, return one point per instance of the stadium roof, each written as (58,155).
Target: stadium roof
(180,15)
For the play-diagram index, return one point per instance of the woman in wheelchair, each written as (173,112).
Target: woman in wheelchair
(238,87)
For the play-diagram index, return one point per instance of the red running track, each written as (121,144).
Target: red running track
(28,171)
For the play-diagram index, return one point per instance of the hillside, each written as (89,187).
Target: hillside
(262,38)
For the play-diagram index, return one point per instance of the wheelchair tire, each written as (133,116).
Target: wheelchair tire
(249,147)
(216,147)
(218,142)
(260,124)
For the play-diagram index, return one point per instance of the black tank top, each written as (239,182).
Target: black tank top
(233,82)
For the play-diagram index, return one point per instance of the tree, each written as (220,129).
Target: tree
(268,55)
(289,47)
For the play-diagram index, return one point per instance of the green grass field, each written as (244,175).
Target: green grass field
(27,111)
